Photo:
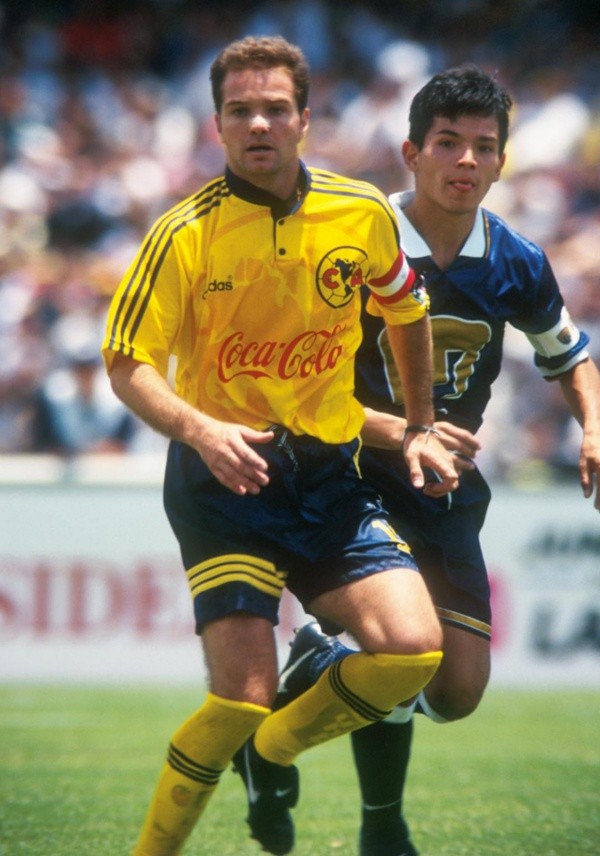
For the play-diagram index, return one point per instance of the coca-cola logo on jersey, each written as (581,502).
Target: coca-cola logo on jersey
(310,353)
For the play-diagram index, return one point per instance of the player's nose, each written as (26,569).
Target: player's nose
(467,156)
(259,123)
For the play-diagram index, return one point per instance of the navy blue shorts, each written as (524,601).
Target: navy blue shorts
(443,535)
(316,526)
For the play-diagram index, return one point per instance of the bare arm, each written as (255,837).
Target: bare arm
(386,431)
(223,446)
(382,430)
(411,346)
(581,389)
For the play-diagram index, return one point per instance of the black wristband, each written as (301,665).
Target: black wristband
(420,429)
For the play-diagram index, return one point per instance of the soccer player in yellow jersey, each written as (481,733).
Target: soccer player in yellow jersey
(253,285)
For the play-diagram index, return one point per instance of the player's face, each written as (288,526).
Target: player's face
(261,127)
(458,163)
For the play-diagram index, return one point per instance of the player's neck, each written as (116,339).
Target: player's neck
(284,184)
(444,231)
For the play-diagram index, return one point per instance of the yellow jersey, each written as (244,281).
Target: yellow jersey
(259,299)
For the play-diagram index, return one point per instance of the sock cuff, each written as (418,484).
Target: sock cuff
(381,681)
(429,658)
(216,730)
(401,714)
(231,704)
(427,709)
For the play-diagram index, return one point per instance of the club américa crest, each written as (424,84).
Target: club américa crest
(340,273)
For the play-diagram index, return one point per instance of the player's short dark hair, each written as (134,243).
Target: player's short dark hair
(462,91)
(262,52)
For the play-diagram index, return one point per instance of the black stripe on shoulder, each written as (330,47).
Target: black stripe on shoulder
(153,250)
(331,184)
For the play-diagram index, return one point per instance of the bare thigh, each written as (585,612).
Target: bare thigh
(458,685)
(241,658)
(390,612)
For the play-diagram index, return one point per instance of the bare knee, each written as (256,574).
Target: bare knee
(422,636)
(409,636)
(456,702)
(459,684)
(387,613)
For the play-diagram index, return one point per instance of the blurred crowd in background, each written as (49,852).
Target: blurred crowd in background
(106,120)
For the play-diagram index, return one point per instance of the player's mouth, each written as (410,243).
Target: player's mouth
(259,148)
(462,185)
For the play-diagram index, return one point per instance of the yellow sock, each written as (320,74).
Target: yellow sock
(353,692)
(198,753)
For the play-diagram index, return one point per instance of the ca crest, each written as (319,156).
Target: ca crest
(340,273)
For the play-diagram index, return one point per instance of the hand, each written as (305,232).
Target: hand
(223,446)
(589,467)
(425,449)
(463,445)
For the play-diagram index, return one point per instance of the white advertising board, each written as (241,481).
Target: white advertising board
(92,588)
(543,554)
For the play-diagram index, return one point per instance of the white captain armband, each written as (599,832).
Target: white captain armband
(556,349)
(557,340)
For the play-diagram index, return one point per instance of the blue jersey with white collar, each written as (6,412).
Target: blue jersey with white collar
(499,277)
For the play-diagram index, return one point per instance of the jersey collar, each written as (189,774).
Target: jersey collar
(415,246)
(257,196)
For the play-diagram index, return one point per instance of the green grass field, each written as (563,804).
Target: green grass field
(521,777)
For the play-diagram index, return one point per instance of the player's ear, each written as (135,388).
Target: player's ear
(500,167)
(218,124)
(304,121)
(410,153)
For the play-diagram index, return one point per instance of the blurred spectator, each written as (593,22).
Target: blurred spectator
(106,120)
(76,411)
(373,125)
(552,122)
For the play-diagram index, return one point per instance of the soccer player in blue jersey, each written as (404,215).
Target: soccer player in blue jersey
(253,285)
(480,276)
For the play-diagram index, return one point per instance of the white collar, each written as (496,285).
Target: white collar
(415,246)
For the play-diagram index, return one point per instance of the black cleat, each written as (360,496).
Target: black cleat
(311,652)
(393,841)
(272,790)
